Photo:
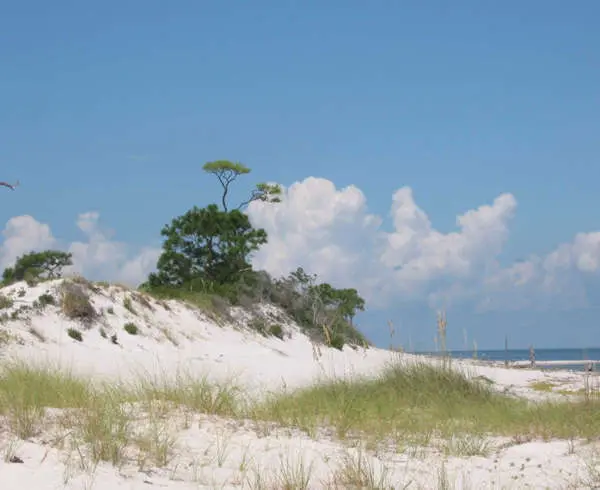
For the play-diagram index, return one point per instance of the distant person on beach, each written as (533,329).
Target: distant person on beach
(532,356)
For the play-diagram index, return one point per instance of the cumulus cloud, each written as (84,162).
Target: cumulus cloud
(330,232)
(98,257)
(23,234)
(317,227)
(556,280)
(421,257)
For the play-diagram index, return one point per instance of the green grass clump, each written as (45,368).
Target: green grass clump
(106,419)
(5,302)
(26,392)
(45,300)
(75,334)
(131,328)
(406,403)
(544,386)
(276,330)
(424,399)
(216,307)
(128,304)
(196,394)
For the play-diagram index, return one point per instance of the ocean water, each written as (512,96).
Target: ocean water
(592,353)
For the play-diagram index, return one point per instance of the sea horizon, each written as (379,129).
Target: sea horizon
(541,354)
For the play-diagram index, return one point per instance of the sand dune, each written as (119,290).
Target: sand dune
(219,452)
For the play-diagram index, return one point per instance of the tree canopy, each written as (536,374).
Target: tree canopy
(37,265)
(227,172)
(208,244)
(207,251)
(346,301)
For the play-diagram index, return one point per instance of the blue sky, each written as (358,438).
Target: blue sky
(114,107)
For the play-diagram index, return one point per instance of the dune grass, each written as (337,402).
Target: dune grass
(105,419)
(427,400)
(406,399)
(197,394)
(26,393)
(417,404)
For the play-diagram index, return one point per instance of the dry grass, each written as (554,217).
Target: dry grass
(359,471)
(128,305)
(75,302)
(37,334)
(5,302)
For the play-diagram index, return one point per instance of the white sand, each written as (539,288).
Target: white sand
(217,453)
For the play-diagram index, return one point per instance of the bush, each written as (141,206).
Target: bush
(44,300)
(31,279)
(220,306)
(336,341)
(216,307)
(76,303)
(131,328)
(5,302)
(75,334)
(277,331)
(259,325)
(128,304)
(141,299)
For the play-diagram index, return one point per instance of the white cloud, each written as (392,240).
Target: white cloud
(99,257)
(557,280)
(23,234)
(329,231)
(318,227)
(420,255)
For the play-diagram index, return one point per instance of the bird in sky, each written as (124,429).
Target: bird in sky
(10,186)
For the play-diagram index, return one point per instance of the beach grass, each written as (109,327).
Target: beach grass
(424,399)
(417,404)
(102,419)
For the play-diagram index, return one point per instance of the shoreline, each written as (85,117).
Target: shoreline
(549,365)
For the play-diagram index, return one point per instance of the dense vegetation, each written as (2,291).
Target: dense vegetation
(36,266)
(205,259)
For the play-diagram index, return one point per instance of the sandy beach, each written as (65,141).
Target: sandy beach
(213,451)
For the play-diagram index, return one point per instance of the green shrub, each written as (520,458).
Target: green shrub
(31,278)
(128,304)
(44,300)
(259,325)
(75,334)
(337,341)
(277,331)
(5,302)
(131,328)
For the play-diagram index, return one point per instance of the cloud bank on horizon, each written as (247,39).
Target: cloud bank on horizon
(330,232)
